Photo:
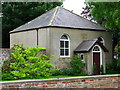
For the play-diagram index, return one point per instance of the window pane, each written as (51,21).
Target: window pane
(62,44)
(66,52)
(62,52)
(66,44)
(64,37)
(96,48)
(82,57)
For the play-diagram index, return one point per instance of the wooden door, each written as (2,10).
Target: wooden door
(96,60)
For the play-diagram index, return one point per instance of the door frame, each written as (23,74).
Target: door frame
(100,51)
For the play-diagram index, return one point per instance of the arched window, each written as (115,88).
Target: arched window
(96,48)
(101,40)
(64,46)
(82,57)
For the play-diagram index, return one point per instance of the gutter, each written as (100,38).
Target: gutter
(59,27)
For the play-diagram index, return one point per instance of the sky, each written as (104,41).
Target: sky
(75,5)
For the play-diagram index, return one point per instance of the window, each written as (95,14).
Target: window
(64,46)
(96,48)
(82,57)
(101,40)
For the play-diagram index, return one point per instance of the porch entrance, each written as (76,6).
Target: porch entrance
(97,59)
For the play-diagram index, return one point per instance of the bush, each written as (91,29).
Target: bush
(57,72)
(77,65)
(68,71)
(113,68)
(94,68)
(27,63)
(102,69)
(76,68)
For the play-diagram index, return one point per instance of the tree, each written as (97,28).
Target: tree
(107,14)
(19,13)
(27,63)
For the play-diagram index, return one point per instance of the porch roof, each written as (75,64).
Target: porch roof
(87,45)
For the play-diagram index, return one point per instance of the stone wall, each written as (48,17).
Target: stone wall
(5,54)
(100,81)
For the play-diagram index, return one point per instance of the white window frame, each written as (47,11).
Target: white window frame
(65,47)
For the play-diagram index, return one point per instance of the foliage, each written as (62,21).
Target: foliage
(27,63)
(18,13)
(94,68)
(77,67)
(118,52)
(107,14)
(102,69)
(113,68)
(69,72)
(77,64)
(72,72)
(57,72)
(117,48)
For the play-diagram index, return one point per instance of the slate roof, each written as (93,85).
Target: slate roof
(87,45)
(59,17)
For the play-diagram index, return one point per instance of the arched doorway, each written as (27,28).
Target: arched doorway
(97,58)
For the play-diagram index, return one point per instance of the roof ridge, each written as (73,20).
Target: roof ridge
(53,17)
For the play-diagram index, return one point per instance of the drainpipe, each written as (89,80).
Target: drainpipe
(37,36)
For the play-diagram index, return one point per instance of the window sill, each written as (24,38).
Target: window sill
(64,56)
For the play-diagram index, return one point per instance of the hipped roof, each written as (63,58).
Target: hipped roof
(87,45)
(59,17)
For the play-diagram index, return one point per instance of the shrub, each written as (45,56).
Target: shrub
(57,72)
(113,67)
(68,71)
(102,69)
(118,52)
(76,68)
(27,63)
(94,68)
(77,65)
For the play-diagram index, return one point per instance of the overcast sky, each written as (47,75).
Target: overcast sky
(75,5)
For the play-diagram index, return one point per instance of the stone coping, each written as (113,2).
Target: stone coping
(60,79)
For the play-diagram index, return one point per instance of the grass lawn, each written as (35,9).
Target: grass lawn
(61,76)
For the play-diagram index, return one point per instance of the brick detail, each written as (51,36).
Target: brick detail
(79,82)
